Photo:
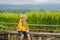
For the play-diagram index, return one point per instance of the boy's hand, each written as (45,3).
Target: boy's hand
(27,30)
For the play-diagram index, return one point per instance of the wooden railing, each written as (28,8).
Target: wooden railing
(13,35)
(30,24)
(40,29)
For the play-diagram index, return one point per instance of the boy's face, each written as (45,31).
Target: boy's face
(23,18)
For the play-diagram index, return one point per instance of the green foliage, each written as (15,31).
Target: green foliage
(9,17)
(33,17)
(43,18)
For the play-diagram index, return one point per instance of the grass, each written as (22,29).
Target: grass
(33,17)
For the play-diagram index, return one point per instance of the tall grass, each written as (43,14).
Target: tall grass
(9,17)
(33,17)
(52,18)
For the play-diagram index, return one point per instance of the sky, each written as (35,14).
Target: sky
(18,2)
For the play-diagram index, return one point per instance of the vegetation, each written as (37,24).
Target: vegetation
(33,17)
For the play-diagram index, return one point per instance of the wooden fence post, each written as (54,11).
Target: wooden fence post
(9,38)
(43,38)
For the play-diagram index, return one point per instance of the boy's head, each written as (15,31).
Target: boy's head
(23,17)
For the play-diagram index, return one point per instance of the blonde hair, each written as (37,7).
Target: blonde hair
(21,16)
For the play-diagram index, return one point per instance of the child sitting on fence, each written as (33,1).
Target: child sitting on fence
(23,29)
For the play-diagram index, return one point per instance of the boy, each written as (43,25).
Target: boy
(23,28)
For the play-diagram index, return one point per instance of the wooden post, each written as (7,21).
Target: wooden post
(36,38)
(9,37)
(13,37)
(48,38)
(40,38)
(32,37)
(43,38)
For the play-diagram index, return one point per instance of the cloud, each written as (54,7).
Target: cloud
(14,2)
(29,1)
(46,1)
(55,1)
(41,1)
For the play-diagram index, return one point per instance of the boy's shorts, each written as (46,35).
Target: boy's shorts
(22,33)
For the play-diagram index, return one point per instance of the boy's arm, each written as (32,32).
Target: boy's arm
(27,28)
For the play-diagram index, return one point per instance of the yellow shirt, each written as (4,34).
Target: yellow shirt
(22,26)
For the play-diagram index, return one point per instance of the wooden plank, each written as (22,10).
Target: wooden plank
(4,27)
(30,24)
(35,35)
(38,33)
(42,25)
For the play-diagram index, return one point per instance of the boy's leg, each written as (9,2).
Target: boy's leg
(21,37)
(28,36)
